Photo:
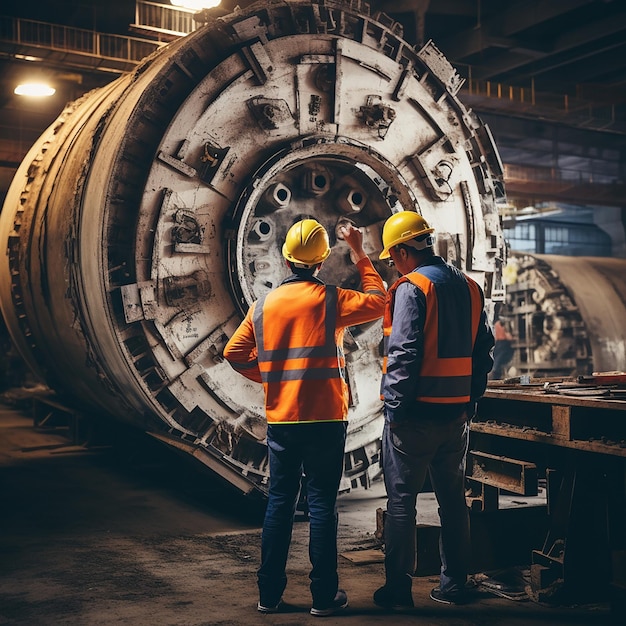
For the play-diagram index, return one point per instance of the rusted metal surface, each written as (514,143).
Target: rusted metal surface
(535,415)
(577,446)
(503,473)
(148,217)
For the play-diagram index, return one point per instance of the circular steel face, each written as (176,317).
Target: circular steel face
(150,216)
(335,182)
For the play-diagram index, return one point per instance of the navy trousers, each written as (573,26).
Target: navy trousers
(409,451)
(317,451)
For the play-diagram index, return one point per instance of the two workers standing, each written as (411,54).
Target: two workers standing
(291,341)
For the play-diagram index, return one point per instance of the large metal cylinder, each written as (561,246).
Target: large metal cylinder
(567,314)
(148,217)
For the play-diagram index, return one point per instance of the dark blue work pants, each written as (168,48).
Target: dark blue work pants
(317,450)
(409,451)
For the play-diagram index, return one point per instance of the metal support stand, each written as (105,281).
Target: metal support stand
(575,561)
(49,414)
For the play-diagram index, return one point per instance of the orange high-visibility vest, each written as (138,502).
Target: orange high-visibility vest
(300,357)
(501,333)
(446,373)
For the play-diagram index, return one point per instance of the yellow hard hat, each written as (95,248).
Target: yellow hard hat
(306,243)
(402,227)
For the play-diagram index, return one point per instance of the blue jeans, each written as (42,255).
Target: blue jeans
(409,450)
(317,450)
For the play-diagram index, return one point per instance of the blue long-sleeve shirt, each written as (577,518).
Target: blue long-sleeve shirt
(406,353)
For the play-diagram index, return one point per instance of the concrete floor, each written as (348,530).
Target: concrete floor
(129,534)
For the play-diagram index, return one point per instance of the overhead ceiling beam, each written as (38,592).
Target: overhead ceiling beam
(591,32)
(563,44)
(438,7)
(514,19)
(605,65)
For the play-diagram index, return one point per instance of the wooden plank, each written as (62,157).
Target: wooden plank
(561,421)
(363,557)
(542,397)
(536,436)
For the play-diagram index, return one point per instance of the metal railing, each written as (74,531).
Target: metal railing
(176,21)
(582,111)
(76,40)
(164,18)
(530,173)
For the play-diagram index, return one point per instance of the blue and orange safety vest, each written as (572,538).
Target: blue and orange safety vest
(453,313)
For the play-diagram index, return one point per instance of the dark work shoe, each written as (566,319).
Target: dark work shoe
(449,597)
(338,604)
(262,608)
(395,599)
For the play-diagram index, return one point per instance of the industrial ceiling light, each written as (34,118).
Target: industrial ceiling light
(35,90)
(196,5)
(27,57)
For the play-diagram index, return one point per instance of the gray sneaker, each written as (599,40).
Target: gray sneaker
(450,597)
(338,604)
(261,608)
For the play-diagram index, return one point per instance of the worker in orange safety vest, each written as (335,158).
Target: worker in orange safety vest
(504,350)
(291,340)
(437,346)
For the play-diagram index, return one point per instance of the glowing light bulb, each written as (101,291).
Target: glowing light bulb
(35,90)
(196,5)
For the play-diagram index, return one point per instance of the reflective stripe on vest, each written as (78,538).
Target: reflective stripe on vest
(446,372)
(323,362)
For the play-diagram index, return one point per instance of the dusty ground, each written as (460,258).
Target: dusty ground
(130,535)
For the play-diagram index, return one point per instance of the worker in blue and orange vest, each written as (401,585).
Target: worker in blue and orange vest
(291,341)
(437,346)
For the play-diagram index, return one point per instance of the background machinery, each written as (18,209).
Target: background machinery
(566,314)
